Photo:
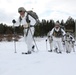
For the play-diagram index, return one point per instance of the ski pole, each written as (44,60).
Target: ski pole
(34,41)
(46,44)
(33,38)
(13,21)
(73,47)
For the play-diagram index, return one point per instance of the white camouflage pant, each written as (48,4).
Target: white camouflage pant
(29,38)
(57,43)
(68,45)
(50,42)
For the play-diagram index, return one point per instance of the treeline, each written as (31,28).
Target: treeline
(41,29)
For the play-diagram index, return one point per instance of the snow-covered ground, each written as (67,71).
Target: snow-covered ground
(41,63)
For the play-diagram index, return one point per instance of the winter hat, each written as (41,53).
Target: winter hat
(57,24)
(21,9)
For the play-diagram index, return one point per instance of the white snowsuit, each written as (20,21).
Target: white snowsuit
(29,37)
(57,41)
(69,43)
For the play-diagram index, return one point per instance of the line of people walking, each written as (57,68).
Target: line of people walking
(60,41)
(55,35)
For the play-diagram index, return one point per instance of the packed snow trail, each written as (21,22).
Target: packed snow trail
(41,63)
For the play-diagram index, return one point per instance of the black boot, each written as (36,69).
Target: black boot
(29,52)
(60,52)
(49,50)
(56,50)
(67,51)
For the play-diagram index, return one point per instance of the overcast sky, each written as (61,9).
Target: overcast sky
(46,9)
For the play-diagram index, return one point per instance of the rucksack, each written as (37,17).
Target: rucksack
(32,14)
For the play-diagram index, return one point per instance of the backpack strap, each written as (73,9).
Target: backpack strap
(27,18)
(28,21)
(20,18)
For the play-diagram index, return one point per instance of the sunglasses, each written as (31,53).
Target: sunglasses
(20,11)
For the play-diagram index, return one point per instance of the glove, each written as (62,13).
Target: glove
(13,21)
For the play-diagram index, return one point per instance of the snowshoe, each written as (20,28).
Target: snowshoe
(29,52)
(49,50)
(56,50)
(23,52)
(67,52)
(60,52)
